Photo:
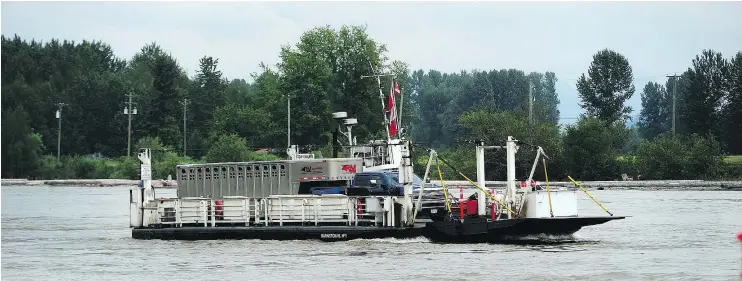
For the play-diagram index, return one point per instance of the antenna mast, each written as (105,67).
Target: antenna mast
(381,95)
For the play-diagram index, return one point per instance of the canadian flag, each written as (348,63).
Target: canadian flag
(392,109)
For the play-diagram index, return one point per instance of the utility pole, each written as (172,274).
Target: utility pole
(288,126)
(129,110)
(185,108)
(674,92)
(530,102)
(59,129)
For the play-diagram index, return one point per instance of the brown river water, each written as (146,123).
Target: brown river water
(81,233)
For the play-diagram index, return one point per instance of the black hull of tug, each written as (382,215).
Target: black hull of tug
(480,230)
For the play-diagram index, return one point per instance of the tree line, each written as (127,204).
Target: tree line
(229,119)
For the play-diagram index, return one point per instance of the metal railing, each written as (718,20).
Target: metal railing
(275,210)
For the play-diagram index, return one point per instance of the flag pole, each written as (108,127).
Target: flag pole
(394,107)
(381,96)
(401,106)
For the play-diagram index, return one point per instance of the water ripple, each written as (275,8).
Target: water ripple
(683,235)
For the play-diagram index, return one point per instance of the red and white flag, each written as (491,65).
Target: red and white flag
(392,109)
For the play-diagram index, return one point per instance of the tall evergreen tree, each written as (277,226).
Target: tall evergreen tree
(164,109)
(208,92)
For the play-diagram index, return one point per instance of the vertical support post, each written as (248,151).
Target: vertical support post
(405,177)
(145,190)
(481,197)
(350,136)
(135,207)
(335,148)
(145,159)
(511,150)
(493,212)
(461,202)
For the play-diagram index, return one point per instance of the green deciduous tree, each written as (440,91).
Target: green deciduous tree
(438,99)
(732,113)
(547,100)
(228,148)
(679,157)
(22,147)
(494,126)
(607,87)
(590,148)
(654,118)
(707,84)
(246,122)
(322,74)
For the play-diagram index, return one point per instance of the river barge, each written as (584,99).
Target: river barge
(272,200)
(278,200)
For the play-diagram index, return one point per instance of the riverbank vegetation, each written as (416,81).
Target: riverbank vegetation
(241,119)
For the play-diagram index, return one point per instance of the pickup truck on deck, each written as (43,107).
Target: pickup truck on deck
(386,182)
(368,183)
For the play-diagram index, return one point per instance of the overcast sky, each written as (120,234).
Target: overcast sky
(658,38)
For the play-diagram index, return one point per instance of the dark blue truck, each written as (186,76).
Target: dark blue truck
(368,183)
(384,183)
